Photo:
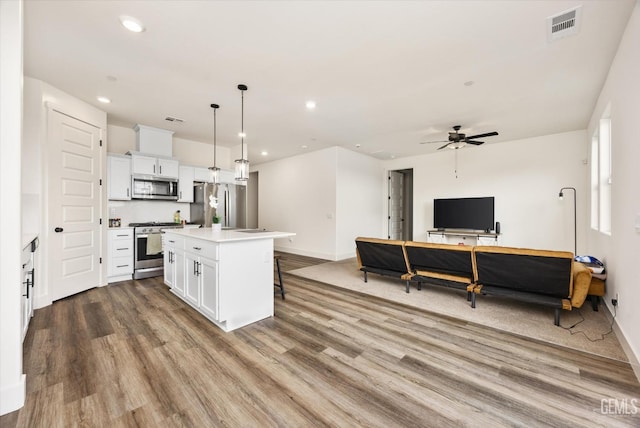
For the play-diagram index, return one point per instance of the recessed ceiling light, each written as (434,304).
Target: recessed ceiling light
(104,100)
(132,24)
(311,105)
(304,146)
(264,153)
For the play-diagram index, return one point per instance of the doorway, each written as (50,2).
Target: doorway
(400,214)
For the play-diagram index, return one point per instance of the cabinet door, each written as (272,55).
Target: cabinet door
(185,184)
(178,270)
(119,178)
(209,281)
(145,165)
(202,174)
(169,266)
(192,277)
(168,168)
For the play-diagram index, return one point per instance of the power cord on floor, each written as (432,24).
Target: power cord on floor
(615,310)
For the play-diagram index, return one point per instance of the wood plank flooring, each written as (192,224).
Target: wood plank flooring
(132,354)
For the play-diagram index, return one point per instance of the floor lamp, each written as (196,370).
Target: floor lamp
(575,227)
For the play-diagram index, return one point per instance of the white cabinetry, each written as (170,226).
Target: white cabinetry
(174,263)
(120,247)
(201,174)
(119,177)
(28,278)
(228,275)
(149,165)
(185,184)
(201,276)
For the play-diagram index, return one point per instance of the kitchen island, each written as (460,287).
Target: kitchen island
(225,275)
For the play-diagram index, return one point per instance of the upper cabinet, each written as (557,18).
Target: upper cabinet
(119,177)
(201,174)
(150,165)
(185,184)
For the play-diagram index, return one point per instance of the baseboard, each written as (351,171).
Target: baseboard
(12,396)
(305,253)
(633,358)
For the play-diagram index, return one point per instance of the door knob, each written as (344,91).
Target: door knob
(58,229)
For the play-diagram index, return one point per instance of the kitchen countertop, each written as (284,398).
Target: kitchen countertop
(208,234)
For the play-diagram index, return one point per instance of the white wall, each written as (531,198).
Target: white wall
(298,194)
(327,197)
(524,176)
(12,381)
(621,250)
(359,197)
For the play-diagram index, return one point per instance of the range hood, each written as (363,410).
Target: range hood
(154,141)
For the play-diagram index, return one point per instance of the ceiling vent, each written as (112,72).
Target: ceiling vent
(173,119)
(564,24)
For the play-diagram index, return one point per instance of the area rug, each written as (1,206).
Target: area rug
(582,329)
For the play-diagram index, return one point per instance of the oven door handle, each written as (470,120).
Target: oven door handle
(147,235)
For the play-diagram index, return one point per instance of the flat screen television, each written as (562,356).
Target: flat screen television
(464,213)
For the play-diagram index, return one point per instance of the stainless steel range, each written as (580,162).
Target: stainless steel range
(147,248)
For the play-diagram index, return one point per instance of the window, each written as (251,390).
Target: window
(601,175)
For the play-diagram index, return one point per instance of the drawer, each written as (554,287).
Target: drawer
(121,265)
(202,248)
(120,249)
(126,234)
(176,242)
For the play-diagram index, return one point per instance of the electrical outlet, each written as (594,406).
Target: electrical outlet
(615,300)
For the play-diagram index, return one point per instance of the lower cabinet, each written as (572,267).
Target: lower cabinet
(120,261)
(191,275)
(28,277)
(174,268)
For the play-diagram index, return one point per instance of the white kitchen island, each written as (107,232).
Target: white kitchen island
(225,275)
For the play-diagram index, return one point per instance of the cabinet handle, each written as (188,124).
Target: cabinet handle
(160,169)
(122,266)
(122,235)
(181,194)
(154,169)
(173,242)
(195,268)
(120,249)
(127,192)
(197,248)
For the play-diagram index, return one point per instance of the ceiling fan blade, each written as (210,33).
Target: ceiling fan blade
(488,134)
(430,142)
(440,148)
(475,143)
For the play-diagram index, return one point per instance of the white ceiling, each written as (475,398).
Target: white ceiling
(385,75)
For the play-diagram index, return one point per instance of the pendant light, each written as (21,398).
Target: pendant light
(215,171)
(242,164)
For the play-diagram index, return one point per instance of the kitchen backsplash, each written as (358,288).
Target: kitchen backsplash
(144,211)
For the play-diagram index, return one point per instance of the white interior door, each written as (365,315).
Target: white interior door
(396,204)
(74,205)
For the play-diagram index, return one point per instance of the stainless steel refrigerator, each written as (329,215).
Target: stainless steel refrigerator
(231,202)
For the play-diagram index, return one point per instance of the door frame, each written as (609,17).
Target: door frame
(94,117)
(407,203)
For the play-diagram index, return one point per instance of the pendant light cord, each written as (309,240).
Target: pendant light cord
(242,126)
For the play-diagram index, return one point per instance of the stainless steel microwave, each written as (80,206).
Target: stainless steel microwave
(146,187)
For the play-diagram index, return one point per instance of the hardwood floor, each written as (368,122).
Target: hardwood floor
(132,354)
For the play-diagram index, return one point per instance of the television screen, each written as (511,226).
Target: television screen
(464,213)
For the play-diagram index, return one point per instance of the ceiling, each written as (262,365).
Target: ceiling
(385,75)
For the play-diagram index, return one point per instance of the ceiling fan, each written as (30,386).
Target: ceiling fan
(458,140)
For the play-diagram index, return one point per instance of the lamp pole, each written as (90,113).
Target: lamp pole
(575,212)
